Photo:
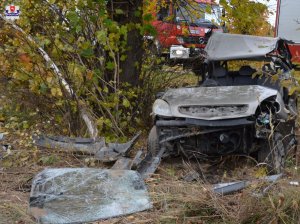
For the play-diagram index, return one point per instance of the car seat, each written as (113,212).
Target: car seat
(244,76)
(220,75)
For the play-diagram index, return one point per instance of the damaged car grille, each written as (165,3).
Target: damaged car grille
(213,111)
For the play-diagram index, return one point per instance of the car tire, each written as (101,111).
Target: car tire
(197,69)
(273,153)
(152,143)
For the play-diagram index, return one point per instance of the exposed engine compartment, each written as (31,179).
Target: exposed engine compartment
(197,142)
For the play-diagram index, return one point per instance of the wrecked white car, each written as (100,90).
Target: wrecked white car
(240,107)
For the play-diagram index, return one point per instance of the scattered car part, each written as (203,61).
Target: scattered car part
(106,153)
(84,145)
(272,178)
(102,151)
(137,159)
(294,183)
(150,163)
(114,151)
(79,195)
(125,163)
(228,188)
(152,143)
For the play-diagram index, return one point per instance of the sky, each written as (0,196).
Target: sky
(272,5)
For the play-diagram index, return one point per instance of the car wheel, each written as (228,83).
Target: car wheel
(153,144)
(273,153)
(197,69)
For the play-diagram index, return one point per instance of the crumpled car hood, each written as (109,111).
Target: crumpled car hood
(249,96)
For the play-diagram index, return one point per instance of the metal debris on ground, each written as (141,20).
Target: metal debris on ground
(114,151)
(79,195)
(105,152)
(125,163)
(150,163)
(231,187)
(227,188)
(102,151)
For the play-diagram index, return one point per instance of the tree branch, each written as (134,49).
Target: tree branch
(93,131)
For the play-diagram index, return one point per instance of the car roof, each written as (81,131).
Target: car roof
(223,46)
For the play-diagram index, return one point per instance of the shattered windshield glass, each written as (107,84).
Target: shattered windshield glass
(198,13)
(80,195)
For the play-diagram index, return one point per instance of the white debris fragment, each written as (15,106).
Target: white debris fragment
(294,183)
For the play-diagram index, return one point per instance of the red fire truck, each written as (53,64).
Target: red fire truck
(288,25)
(183,27)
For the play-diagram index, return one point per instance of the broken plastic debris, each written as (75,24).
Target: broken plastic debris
(84,145)
(272,178)
(227,188)
(150,163)
(78,195)
(294,183)
(125,163)
(102,151)
(114,151)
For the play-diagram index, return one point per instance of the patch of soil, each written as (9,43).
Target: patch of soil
(13,207)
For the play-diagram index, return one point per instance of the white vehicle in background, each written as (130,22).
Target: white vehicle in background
(288,25)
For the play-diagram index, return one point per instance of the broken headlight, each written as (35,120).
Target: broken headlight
(270,105)
(266,110)
(161,107)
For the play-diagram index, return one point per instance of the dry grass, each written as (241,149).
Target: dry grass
(177,201)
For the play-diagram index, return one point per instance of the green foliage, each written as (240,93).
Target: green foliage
(246,17)
(88,43)
(48,160)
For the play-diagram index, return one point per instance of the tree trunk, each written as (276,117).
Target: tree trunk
(131,66)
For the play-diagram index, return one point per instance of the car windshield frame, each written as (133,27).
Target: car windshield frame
(187,14)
